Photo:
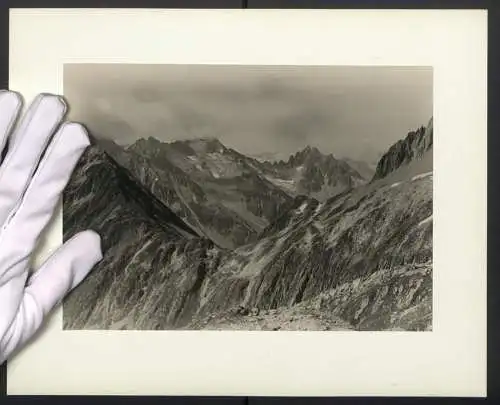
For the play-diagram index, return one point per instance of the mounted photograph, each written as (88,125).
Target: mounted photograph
(238,197)
(272,203)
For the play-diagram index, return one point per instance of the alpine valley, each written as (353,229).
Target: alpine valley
(199,236)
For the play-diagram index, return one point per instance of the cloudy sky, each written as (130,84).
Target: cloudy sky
(355,112)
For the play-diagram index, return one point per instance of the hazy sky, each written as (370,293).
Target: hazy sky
(355,112)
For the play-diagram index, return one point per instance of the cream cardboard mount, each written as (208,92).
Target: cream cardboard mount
(450,360)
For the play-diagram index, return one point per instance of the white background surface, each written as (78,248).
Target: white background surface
(451,360)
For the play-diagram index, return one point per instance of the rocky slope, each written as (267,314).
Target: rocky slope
(359,260)
(388,299)
(322,246)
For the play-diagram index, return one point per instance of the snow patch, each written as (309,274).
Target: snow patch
(283,182)
(395,184)
(318,208)
(428,219)
(302,208)
(421,176)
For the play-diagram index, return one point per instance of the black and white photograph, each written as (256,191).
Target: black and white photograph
(253,198)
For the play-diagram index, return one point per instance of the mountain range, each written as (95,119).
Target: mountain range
(199,236)
(227,196)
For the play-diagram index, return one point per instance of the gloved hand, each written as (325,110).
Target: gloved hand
(42,153)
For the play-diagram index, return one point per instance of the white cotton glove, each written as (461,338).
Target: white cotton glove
(41,156)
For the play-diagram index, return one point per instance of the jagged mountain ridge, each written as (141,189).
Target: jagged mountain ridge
(306,172)
(414,146)
(362,259)
(312,173)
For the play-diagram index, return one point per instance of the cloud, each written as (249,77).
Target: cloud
(347,111)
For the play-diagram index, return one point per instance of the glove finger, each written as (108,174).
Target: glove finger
(10,299)
(10,106)
(45,189)
(61,272)
(27,145)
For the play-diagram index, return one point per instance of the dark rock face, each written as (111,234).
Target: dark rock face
(361,259)
(412,147)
